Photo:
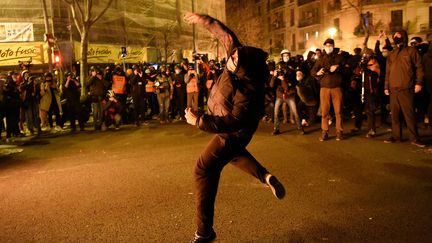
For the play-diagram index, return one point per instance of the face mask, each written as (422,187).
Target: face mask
(328,50)
(285,59)
(177,71)
(397,40)
(231,66)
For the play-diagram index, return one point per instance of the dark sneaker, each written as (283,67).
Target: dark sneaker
(339,136)
(276,132)
(418,144)
(324,136)
(355,130)
(276,186)
(202,239)
(301,131)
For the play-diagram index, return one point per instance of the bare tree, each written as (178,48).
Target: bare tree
(165,35)
(47,34)
(364,21)
(82,16)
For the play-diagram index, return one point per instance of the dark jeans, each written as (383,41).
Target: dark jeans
(402,101)
(307,112)
(140,108)
(12,118)
(221,150)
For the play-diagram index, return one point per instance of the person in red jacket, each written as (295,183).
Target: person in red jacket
(235,107)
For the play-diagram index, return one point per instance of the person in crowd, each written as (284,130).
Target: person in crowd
(120,88)
(150,76)
(381,56)
(192,89)
(307,91)
(30,91)
(179,93)
(137,84)
(96,88)
(427,63)
(71,92)
(328,70)
(270,94)
(111,110)
(50,103)
(235,107)
(366,84)
(285,93)
(2,102)
(108,74)
(164,93)
(404,77)
(12,106)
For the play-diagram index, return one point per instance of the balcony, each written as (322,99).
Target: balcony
(276,3)
(371,2)
(303,2)
(308,21)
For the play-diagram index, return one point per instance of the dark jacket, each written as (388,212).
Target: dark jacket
(329,80)
(236,101)
(137,85)
(284,87)
(307,91)
(96,87)
(404,67)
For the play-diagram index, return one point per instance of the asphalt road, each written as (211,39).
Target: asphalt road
(135,185)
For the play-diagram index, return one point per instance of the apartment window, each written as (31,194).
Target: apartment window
(307,36)
(336,23)
(292,17)
(293,47)
(396,20)
(430,18)
(316,34)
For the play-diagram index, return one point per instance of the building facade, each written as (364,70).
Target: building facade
(303,25)
(152,30)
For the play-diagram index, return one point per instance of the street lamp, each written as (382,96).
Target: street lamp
(332,32)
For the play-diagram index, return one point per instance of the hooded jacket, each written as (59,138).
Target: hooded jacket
(404,67)
(236,101)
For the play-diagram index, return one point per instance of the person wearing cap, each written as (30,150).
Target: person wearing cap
(235,108)
(50,103)
(96,89)
(328,71)
(404,78)
(30,103)
(71,92)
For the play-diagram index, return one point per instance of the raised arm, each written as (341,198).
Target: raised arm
(226,36)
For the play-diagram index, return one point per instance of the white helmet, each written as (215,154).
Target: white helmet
(285,51)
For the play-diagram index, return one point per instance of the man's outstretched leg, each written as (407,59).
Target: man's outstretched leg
(207,173)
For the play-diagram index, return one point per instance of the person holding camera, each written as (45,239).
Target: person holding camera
(71,92)
(31,95)
(50,103)
(328,71)
(285,93)
(137,84)
(96,88)
(192,89)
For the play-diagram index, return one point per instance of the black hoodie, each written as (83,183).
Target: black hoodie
(404,67)
(236,100)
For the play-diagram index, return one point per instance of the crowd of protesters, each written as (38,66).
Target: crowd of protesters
(330,83)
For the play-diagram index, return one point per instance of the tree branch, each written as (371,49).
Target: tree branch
(354,6)
(79,9)
(101,13)
(74,17)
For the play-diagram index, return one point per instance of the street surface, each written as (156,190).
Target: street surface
(135,185)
